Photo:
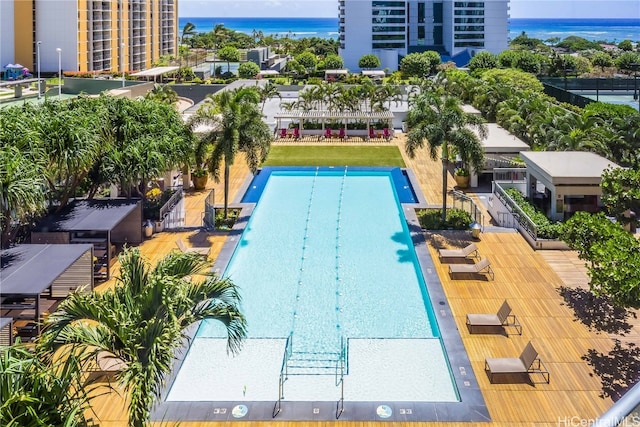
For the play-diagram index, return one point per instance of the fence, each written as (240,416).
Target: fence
(463,202)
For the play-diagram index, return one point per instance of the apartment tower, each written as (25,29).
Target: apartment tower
(392,29)
(91,35)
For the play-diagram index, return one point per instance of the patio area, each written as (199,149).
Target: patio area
(528,279)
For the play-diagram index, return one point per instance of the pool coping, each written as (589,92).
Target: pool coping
(470,408)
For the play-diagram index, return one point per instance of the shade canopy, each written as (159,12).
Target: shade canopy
(28,270)
(82,215)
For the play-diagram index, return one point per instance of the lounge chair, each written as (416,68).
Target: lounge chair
(386,134)
(327,133)
(482,266)
(372,133)
(296,133)
(527,363)
(470,251)
(502,319)
(283,133)
(186,250)
(343,133)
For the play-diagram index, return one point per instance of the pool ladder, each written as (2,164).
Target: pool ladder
(312,363)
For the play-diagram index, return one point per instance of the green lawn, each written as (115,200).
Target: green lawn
(313,155)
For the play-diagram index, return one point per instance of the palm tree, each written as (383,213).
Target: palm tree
(163,94)
(437,120)
(236,125)
(141,321)
(266,92)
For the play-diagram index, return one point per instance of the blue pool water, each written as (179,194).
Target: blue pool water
(327,254)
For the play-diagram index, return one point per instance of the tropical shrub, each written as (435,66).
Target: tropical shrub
(369,61)
(457,219)
(546,228)
(248,70)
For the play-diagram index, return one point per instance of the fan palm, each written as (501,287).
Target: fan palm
(236,126)
(437,120)
(141,321)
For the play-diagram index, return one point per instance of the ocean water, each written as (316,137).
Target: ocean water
(612,30)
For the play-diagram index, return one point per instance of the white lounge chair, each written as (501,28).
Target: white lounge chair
(200,251)
(527,363)
(502,319)
(482,266)
(471,251)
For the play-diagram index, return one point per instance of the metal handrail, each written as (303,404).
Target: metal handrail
(340,365)
(284,371)
(523,219)
(209,215)
(474,210)
(173,200)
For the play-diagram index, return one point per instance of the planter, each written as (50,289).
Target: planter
(148,229)
(462,181)
(200,182)
(158,226)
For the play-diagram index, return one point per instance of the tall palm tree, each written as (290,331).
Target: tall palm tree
(236,126)
(141,321)
(268,91)
(437,119)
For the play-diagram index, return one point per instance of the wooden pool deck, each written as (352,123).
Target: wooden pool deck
(528,279)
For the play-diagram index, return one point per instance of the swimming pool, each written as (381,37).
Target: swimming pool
(325,256)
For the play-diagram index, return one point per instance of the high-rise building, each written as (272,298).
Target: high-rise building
(87,35)
(392,29)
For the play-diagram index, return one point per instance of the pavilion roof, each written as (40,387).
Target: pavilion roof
(326,114)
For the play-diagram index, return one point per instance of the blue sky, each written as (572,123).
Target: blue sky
(329,8)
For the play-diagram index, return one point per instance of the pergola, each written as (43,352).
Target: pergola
(344,117)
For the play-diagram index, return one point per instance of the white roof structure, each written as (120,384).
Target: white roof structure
(567,167)
(321,115)
(154,72)
(373,73)
(341,71)
(499,140)
(268,73)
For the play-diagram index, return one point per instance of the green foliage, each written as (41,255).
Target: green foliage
(420,64)
(515,79)
(369,61)
(141,321)
(575,44)
(612,254)
(507,58)
(229,54)
(308,60)
(36,391)
(546,229)
(621,192)
(333,62)
(248,70)
(602,60)
(483,60)
(529,62)
(626,60)
(457,219)
(523,41)
(609,112)
(626,45)
(222,223)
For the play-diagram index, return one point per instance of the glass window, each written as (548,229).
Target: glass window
(468,20)
(469,44)
(388,37)
(388,45)
(468,4)
(387,4)
(468,36)
(387,21)
(469,28)
(437,35)
(421,13)
(437,13)
(390,29)
(468,12)
(421,35)
(387,12)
